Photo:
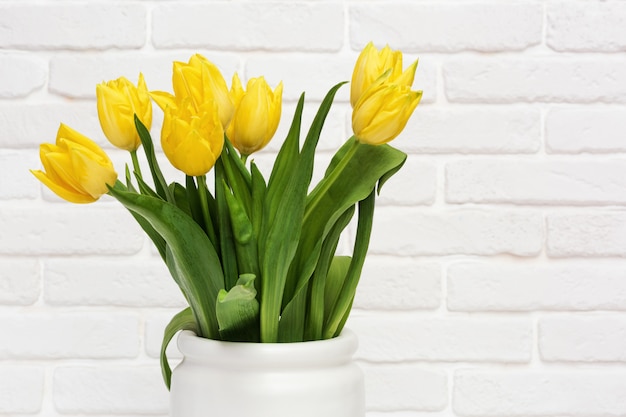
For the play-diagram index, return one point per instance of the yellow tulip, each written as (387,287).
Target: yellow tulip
(76,169)
(198,81)
(372,64)
(192,140)
(118,102)
(383,111)
(257,114)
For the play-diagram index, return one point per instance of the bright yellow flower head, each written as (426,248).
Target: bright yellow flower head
(372,64)
(76,169)
(198,81)
(383,111)
(192,140)
(381,95)
(257,114)
(118,102)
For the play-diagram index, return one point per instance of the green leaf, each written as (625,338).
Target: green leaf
(351,177)
(245,240)
(292,321)
(145,188)
(181,321)
(146,140)
(226,239)
(344,319)
(315,316)
(129,182)
(237,176)
(312,138)
(238,311)
(181,199)
(190,256)
(258,197)
(341,307)
(285,164)
(334,283)
(286,209)
(237,163)
(193,200)
(156,238)
(305,167)
(207,224)
(274,252)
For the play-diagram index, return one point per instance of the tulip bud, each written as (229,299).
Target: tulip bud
(192,141)
(201,81)
(256,116)
(76,168)
(382,112)
(372,64)
(118,102)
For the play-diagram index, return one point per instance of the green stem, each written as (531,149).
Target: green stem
(327,182)
(208,224)
(137,168)
(244,158)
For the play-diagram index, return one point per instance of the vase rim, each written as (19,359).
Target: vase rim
(339,349)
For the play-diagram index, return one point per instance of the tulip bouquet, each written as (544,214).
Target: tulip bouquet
(255,258)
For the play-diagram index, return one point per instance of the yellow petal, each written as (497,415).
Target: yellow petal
(64,193)
(163,99)
(371,64)
(58,166)
(407,77)
(118,101)
(93,174)
(216,89)
(192,142)
(236,90)
(256,117)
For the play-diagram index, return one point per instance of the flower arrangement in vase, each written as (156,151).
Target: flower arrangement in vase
(255,257)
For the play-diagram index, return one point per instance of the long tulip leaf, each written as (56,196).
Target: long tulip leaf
(203,195)
(315,316)
(352,176)
(344,302)
(291,325)
(334,282)
(271,242)
(344,319)
(145,188)
(313,136)
(181,321)
(238,311)
(277,252)
(245,240)
(156,238)
(313,310)
(146,140)
(286,162)
(305,168)
(237,176)
(190,256)
(129,182)
(180,197)
(237,162)
(228,253)
(295,303)
(259,189)
(285,222)
(193,199)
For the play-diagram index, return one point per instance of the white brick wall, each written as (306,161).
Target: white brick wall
(539,393)
(496,282)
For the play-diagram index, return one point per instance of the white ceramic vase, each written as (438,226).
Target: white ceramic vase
(231,379)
